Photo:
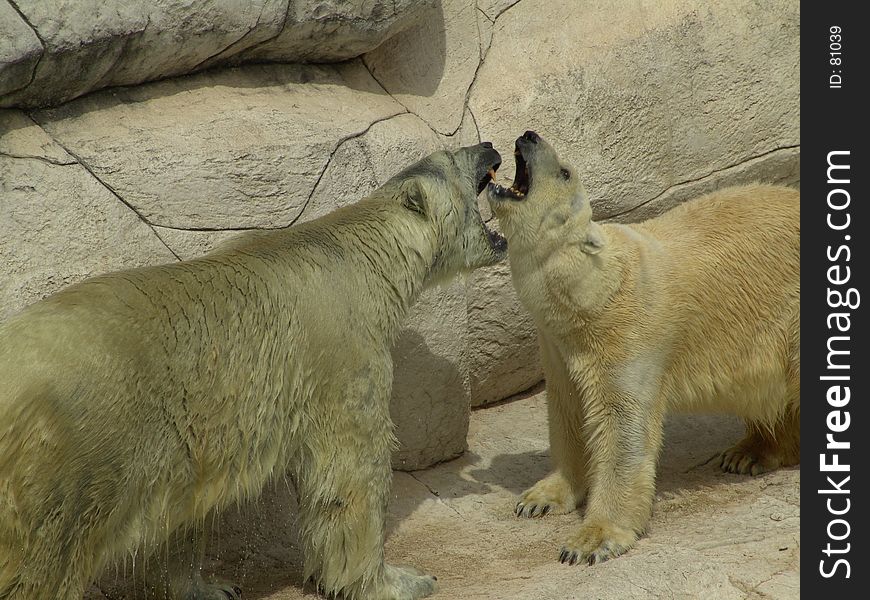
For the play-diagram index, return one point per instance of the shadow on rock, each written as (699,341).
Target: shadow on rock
(689,458)
(420,73)
(430,395)
(690,453)
(252,81)
(514,472)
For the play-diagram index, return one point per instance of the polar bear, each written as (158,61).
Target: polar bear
(696,310)
(134,404)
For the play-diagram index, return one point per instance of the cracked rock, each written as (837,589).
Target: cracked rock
(335,30)
(493,8)
(439,57)
(20,51)
(646,97)
(188,244)
(228,149)
(21,137)
(780,166)
(46,244)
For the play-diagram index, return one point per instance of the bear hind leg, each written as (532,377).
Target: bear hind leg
(766,449)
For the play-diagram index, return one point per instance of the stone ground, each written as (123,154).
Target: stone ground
(713,535)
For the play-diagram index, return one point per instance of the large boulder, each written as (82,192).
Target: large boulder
(503,342)
(54,51)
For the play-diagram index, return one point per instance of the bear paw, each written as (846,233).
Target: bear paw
(596,542)
(406,583)
(553,494)
(746,459)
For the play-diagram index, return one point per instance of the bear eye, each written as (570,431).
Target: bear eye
(566,175)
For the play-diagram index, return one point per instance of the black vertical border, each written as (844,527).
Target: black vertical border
(833,119)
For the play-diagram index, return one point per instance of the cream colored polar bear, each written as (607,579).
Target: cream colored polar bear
(696,310)
(134,404)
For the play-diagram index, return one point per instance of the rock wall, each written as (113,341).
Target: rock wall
(655,102)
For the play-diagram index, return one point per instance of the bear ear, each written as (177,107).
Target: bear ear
(594,242)
(413,197)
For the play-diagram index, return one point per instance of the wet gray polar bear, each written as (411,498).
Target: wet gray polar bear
(696,310)
(134,404)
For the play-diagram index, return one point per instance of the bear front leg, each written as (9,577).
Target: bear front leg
(623,435)
(342,514)
(175,570)
(343,483)
(563,489)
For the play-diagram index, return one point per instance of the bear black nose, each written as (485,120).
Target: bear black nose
(486,144)
(531,136)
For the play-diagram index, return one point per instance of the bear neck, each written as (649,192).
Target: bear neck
(395,249)
(561,280)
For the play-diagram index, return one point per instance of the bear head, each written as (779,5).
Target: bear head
(546,207)
(443,189)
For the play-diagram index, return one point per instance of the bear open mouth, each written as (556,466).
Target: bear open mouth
(496,240)
(490,176)
(520,187)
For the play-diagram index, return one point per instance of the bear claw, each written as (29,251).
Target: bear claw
(740,462)
(594,544)
(533,510)
(551,495)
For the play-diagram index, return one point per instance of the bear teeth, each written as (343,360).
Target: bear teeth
(512,191)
